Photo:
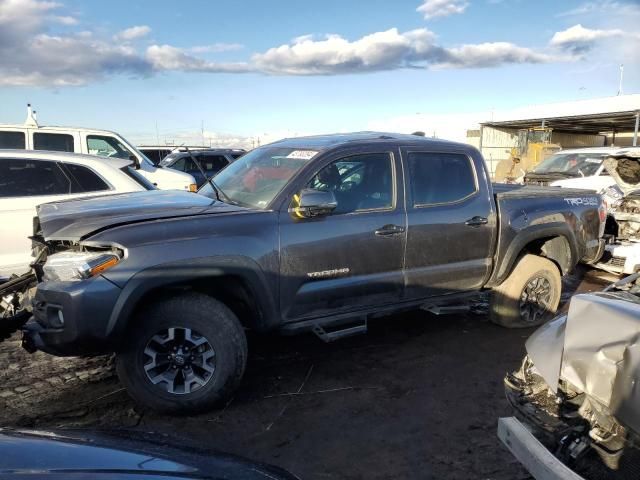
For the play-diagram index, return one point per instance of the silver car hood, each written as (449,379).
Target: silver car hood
(624,168)
(596,348)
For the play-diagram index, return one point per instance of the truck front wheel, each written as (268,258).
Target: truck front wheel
(529,296)
(183,355)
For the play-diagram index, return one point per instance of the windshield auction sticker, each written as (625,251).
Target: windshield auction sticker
(303,154)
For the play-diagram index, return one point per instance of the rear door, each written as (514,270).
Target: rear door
(451,223)
(352,258)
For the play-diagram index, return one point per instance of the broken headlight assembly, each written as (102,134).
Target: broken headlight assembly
(69,266)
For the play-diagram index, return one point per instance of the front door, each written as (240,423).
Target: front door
(352,258)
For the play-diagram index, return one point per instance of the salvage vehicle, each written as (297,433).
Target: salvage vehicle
(577,168)
(32,136)
(308,234)
(118,455)
(576,395)
(211,161)
(622,234)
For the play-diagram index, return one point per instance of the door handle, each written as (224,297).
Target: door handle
(476,221)
(389,230)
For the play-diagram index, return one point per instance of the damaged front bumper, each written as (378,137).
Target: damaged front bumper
(531,453)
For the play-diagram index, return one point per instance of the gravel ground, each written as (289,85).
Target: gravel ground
(417,397)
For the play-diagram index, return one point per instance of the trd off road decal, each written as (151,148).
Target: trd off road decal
(588,201)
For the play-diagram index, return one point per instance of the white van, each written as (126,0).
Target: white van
(32,136)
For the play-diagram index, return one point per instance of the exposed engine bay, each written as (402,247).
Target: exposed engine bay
(578,388)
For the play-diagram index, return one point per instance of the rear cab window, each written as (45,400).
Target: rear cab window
(441,178)
(13,140)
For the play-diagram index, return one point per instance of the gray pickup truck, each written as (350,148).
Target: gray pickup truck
(308,234)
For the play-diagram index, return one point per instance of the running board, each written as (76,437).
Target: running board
(445,310)
(334,335)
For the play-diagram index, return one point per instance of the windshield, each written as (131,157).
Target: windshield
(573,164)
(258,176)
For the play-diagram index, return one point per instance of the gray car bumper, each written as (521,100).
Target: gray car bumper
(533,455)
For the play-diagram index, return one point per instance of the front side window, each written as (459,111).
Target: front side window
(106,146)
(14,140)
(438,178)
(359,182)
(85,179)
(31,178)
(256,178)
(57,142)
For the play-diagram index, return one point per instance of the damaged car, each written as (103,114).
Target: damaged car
(622,232)
(577,392)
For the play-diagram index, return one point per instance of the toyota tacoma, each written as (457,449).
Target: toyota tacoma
(307,234)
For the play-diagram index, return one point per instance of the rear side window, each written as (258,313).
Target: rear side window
(440,177)
(57,142)
(85,179)
(15,140)
(31,178)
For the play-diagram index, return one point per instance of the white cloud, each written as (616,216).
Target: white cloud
(333,55)
(388,50)
(166,57)
(494,54)
(133,33)
(579,39)
(441,8)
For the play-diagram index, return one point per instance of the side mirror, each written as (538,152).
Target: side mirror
(314,203)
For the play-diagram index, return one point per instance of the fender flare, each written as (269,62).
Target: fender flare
(184,271)
(524,238)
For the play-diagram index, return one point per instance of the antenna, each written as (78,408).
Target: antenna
(621,78)
(31,117)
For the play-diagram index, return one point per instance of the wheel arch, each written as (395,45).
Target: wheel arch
(556,243)
(237,282)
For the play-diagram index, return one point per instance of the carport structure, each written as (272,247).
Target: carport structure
(586,123)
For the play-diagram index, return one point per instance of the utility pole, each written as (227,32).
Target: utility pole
(157,134)
(202,131)
(621,78)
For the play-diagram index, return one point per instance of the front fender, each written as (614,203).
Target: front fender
(184,271)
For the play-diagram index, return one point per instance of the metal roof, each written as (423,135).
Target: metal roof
(585,116)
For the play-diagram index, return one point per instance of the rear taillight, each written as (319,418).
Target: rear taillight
(602,211)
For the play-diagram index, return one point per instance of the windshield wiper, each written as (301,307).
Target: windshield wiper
(216,189)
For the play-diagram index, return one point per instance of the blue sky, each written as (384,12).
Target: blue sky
(259,68)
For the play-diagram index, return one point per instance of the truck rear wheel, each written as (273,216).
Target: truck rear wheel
(529,296)
(183,355)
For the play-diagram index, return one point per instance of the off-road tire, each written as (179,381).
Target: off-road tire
(505,303)
(200,313)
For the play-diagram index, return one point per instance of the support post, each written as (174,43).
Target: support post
(635,131)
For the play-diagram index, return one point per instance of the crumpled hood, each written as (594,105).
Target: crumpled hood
(624,168)
(78,218)
(596,348)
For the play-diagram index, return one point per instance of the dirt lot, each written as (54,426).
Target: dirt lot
(418,397)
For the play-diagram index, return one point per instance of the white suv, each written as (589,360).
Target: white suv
(28,179)
(32,136)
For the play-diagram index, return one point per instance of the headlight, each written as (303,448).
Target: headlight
(74,266)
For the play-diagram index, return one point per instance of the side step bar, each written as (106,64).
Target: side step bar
(333,335)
